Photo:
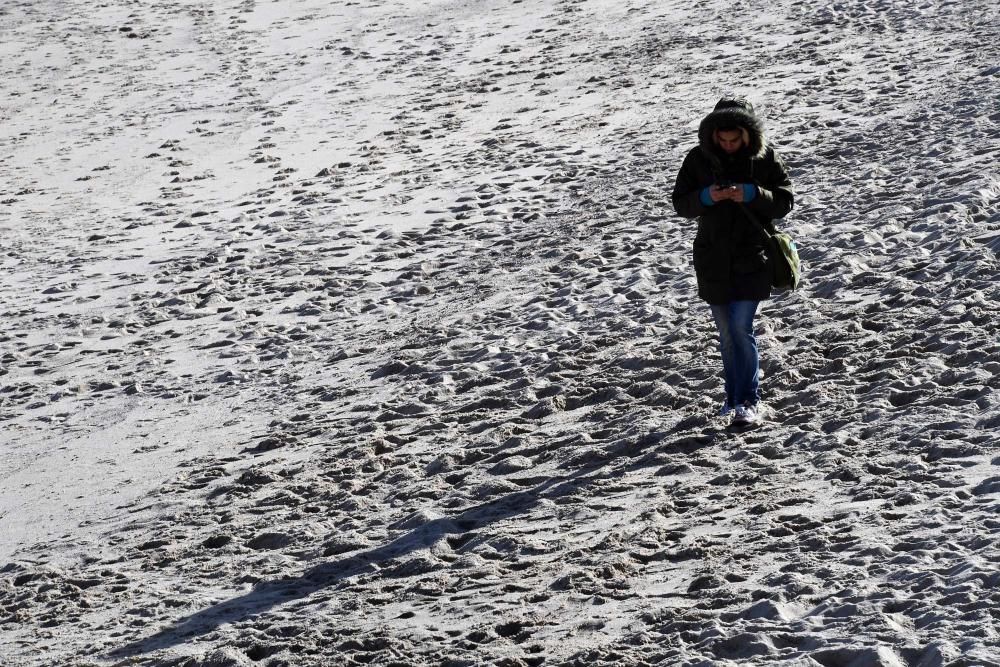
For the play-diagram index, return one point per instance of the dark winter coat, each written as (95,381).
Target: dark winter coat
(729,258)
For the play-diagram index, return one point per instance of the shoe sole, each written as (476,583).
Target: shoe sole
(745,422)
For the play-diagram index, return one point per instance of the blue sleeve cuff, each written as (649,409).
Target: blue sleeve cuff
(706,198)
(749,192)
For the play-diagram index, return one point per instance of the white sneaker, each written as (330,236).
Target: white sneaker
(746,415)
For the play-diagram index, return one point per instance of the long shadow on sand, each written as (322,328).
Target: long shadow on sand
(273,593)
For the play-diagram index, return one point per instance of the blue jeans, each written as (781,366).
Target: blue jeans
(740,359)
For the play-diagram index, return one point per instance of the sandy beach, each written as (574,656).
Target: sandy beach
(345,333)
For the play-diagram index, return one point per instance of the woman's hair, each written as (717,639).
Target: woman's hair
(744,133)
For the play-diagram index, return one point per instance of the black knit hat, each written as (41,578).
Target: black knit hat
(735,103)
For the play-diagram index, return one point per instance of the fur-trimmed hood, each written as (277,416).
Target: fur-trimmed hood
(730,113)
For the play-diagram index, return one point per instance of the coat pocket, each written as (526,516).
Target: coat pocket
(711,262)
(751,260)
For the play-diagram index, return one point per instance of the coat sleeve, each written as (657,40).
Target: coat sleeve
(687,191)
(776,196)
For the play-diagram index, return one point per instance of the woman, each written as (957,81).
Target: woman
(730,179)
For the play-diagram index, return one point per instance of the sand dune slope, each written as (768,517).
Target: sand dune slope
(365,334)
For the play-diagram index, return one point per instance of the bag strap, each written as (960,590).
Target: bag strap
(756,222)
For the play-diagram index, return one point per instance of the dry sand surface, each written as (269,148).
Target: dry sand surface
(364,333)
